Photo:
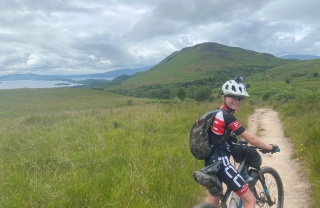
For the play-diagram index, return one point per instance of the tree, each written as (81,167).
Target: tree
(203,93)
(192,92)
(288,80)
(182,93)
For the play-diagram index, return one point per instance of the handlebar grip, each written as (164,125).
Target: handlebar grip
(276,149)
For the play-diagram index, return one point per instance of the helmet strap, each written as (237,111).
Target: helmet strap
(226,107)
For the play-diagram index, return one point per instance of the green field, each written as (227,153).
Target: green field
(19,102)
(73,153)
(88,148)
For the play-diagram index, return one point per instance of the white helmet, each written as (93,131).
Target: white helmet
(235,88)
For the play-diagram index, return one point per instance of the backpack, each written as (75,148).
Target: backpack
(199,136)
(199,140)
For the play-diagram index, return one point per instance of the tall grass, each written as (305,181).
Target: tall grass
(91,154)
(136,156)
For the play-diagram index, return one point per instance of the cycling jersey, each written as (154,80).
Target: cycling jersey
(227,173)
(224,121)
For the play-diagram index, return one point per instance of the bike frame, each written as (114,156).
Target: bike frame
(244,171)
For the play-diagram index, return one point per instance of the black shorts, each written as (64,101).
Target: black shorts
(227,172)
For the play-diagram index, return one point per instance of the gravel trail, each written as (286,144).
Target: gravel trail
(264,122)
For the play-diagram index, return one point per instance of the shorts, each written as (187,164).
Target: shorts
(227,172)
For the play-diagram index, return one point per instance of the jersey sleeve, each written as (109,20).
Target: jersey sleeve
(233,124)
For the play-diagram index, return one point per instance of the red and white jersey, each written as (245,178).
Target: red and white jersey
(222,122)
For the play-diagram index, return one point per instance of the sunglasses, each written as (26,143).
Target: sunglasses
(237,98)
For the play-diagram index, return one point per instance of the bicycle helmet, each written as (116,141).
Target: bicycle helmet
(235,87)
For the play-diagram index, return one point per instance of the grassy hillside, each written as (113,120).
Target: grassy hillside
(294,79)
(299,70)
(201,61)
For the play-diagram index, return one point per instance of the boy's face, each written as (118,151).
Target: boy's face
(233,102)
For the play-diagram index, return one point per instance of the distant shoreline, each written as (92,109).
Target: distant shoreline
(62,84)
(21,84)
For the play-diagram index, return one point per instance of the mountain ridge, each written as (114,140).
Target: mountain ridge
(201,61)
(202,69)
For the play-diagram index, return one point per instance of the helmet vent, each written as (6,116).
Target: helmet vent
(234,88)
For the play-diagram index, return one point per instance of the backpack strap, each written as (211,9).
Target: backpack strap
(226,132)
(225,136)
(215,149)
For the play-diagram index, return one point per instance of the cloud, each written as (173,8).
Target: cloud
(78,36)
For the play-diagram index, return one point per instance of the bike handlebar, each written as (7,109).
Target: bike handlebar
(274,150)
(275,147)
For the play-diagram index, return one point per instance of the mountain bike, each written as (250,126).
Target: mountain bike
(264,182)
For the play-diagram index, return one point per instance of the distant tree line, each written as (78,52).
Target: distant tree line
(199,90)
(169,91)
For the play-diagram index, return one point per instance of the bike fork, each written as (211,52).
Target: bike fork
(265,189)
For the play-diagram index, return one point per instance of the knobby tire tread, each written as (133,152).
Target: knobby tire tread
(205,205)
(277,178)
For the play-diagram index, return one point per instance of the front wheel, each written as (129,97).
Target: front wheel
(274,187)
(205,205)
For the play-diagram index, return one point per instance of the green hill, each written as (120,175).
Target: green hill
(203,61)
(301,77)
(202,69)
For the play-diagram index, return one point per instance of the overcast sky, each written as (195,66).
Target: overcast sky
(92,36)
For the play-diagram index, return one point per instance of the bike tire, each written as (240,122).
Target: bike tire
(205,205)
(275,187)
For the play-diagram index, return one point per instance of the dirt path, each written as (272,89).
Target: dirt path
(266,125)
